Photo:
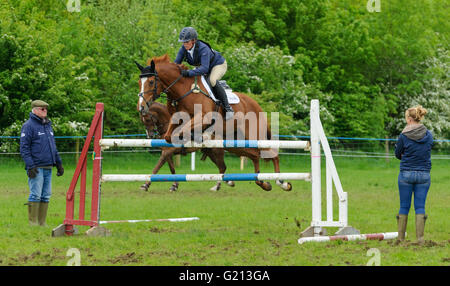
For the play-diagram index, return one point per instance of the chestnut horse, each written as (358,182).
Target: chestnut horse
(156,121)
(162,76)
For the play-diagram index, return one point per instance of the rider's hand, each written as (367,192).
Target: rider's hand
(185,73)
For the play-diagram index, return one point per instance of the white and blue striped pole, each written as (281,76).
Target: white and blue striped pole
(157,143)
(205,177)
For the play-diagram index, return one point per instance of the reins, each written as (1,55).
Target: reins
(173,102)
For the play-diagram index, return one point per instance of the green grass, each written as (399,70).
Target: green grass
(238,226)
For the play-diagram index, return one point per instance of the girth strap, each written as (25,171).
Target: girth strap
(195,88)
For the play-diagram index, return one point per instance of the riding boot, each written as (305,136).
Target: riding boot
(420,227)
(43,207)
(402,221)
(220,93)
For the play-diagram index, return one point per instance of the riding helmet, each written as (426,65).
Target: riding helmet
(187,34)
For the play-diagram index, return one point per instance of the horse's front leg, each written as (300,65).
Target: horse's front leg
(168,135)
(165,155)
(174,186)
(287,186)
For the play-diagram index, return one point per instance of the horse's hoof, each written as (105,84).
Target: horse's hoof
(144,187)
(230,183)
(174,188)
(288,188)
(215,188)
(284,185)
(266,186)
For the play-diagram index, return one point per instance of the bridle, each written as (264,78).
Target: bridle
(153,73)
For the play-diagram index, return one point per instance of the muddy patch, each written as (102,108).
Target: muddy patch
(127,258)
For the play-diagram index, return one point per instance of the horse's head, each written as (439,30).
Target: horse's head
(160,76)
(156,120)
(150,120)
(150,90)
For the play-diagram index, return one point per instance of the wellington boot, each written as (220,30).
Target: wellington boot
(33,211)
(420,228)
(402,221)
(43,207)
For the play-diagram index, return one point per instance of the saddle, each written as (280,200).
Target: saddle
(232,97)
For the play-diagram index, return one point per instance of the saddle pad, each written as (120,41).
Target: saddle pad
(232,98)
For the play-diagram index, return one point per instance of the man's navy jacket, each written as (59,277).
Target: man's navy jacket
(37,143)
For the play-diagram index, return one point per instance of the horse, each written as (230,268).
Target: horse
(184,93)
(156,121)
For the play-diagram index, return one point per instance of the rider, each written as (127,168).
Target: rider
(207,61)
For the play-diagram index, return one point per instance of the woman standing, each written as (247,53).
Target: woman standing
(413,148)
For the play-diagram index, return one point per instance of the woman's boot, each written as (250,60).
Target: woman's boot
(402,221)
(420,227)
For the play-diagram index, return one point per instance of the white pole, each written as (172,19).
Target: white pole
(352,237)
(315,167)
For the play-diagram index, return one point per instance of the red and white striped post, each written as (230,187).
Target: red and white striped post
(67,228)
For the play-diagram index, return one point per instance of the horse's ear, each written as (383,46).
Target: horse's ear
(139,66)
(152,66)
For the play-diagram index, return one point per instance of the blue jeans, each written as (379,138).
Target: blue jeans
(41,186)
(409,182)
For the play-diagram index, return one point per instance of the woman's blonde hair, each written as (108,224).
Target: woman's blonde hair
(416,113)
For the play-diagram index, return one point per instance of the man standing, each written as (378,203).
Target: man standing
(38,150)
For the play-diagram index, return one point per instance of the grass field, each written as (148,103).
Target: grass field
(243,225)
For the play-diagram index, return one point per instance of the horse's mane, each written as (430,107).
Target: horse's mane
(164,59)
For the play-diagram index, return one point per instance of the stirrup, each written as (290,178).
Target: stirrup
(229,115)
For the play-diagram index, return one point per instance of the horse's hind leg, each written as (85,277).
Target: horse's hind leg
(266,186)
(174,186)
(287,186)
(165,154)
(217,156)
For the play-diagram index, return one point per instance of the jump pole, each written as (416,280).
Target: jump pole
(351,237)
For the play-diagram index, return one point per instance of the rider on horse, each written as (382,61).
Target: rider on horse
(207,61)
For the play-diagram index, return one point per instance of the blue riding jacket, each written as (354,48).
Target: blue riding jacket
(414,150)
(204,58)
(37,143)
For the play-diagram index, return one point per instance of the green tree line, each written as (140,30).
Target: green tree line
(365,67)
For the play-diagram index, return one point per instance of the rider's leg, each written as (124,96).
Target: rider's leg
(217,73)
